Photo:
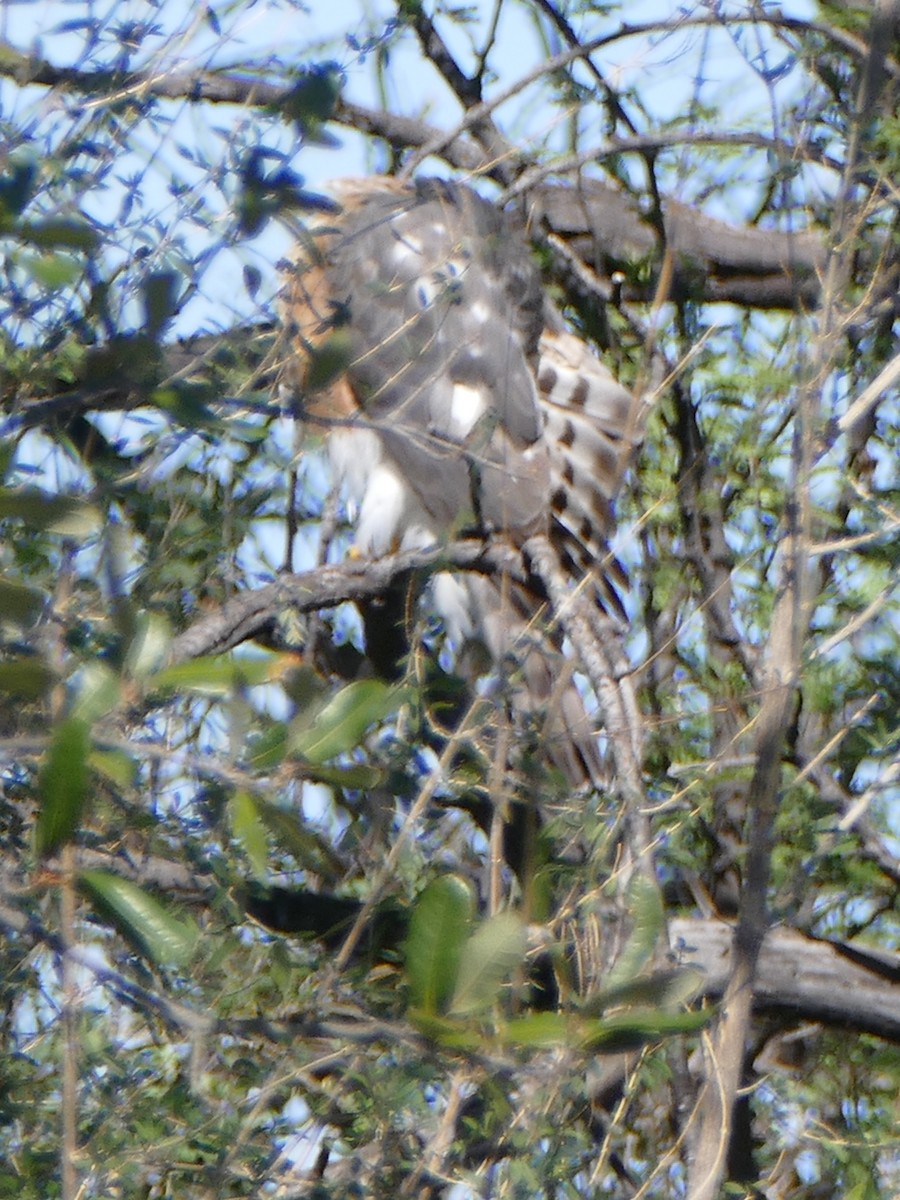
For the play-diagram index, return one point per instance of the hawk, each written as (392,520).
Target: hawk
(418,337)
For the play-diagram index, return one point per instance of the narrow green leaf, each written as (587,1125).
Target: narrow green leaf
(631,1031)
(454,1035)
(354,776)
(58,234)
(160,301)
(164,939)
(267,749)
(489,958)
(215,675)
(249,830)
(149,645)
(662,989)
(310,851)
(98,690)
(440,924)
(20,603)
(17,184)
(57,514)
(115,765)
(62,785)
(343,721)
(645,909)
(25,677)
(539,1031)
(328,360)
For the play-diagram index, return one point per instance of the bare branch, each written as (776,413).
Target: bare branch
(248,614)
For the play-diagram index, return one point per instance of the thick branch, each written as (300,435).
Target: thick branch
(248,614)
(799,978)
(813,980)
(606,228)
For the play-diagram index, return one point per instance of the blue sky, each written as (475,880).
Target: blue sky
(665,71)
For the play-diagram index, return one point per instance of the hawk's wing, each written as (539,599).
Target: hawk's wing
(454,399)
(437,312)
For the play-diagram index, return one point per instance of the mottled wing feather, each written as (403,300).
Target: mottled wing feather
(442,312)
(456,398)
(593,429)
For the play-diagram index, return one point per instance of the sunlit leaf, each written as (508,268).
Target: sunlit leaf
(215,675)
(489,958)
(343,721)
(115,765)
(62,785)
(165,939)
(662,989)
(440,924)
(539,1031)
(454,1035)
(57,514)
(249,830)
(631,1031)
(644,906)
(97,689)
(53,271)
(149,645)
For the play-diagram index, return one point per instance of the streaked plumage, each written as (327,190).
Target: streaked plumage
(418,335)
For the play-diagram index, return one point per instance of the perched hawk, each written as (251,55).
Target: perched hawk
(417,334)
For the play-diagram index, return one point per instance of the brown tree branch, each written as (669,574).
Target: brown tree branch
(763,268)
(248,614)
(799,978)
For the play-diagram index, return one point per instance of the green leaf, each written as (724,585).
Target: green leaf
(249,830)
(312,101)
(662,989)
(20,603)
(115,765)
(98,690)
(149,645)
(353,777)
(58,234)
(310,851)
(57,514)
(455,1035)
(17,184)
(164,939)
(268,748)
(62,785)
(645,909)
(160,301)
(440,924)
(215,675)
(329,359)
(631,1031)
(341,724)
(489,958)
(540,1031)
(53,271)
(26,677)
